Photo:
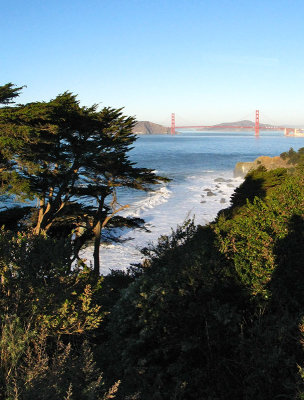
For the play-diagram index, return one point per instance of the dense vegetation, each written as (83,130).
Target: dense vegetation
(217,312)
(214,312)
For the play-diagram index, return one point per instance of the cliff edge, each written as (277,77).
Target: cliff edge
(242,168)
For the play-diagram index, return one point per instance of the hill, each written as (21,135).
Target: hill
(243,123)
(149,128)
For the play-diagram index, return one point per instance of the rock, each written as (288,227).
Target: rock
(219,180)
(272,162)
(230,185)
(242,168)
(222,200)
(203,201)
(210,194)
(207,190)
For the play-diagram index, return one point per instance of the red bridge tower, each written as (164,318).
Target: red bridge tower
(172,124)
(257,123)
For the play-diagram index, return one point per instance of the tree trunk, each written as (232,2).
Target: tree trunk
(97,227)
(37,228)
(97,234)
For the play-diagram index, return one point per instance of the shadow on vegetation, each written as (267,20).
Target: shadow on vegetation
(178,327)
(256,184)
(252,187)
(11,217)
(274,348)
(287,284)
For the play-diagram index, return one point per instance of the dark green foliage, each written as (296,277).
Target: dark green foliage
(249,238)
(166,329)
(40,285)
(47,308)
(294,157)
(65,155)
(8,93)
(112,286)
(257,184)
(14,218)
(214,313)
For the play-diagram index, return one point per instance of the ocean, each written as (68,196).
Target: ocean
(200,166)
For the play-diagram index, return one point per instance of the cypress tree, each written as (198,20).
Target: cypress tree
(72,159)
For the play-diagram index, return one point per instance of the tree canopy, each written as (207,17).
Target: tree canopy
(8,92)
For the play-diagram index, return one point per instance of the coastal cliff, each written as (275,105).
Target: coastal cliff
(242,168)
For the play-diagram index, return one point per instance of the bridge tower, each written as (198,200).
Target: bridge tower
(257,123)
(172,124)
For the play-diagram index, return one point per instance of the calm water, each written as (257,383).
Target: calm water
(197,163)
(187,153)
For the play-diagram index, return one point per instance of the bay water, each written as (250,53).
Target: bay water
(200,166)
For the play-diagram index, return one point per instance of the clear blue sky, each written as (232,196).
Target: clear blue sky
(206,60)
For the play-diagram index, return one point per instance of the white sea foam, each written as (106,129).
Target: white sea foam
(199,195)
(152,200)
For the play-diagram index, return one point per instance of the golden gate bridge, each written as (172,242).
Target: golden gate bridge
(256,126)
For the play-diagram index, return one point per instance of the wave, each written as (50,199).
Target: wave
(154,199)
(179,201)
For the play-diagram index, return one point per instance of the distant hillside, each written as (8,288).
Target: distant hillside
(244,123)
(149,128)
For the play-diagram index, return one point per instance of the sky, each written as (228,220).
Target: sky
(209,61)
